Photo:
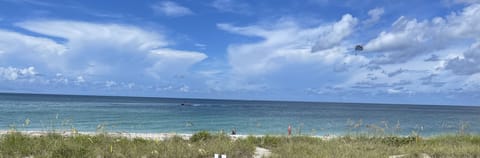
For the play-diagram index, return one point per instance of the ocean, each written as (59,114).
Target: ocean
(34,112)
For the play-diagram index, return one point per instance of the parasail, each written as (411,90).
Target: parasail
(358,48)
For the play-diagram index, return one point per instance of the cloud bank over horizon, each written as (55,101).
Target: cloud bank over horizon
(406,59)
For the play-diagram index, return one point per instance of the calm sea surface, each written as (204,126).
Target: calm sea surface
(154,115)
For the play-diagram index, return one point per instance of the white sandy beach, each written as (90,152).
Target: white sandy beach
(151,136)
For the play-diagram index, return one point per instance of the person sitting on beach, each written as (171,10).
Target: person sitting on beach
(234,131)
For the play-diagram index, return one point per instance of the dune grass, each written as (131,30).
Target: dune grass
(55,145)
(204,144)
(375,142)
(362,146)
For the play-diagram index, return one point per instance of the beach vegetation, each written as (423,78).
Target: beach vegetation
(52,145)
(373,141)
(204,144)
(200,136)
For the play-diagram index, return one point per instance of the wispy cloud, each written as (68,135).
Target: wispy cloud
(200,46)
(169,8)
(71,6)
(462,1)
(232,6)
(12,73)
(468,64)
(12,42)
(33,2)
(375,15)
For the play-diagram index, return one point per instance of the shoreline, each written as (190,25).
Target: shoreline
(149,136)
(187,136)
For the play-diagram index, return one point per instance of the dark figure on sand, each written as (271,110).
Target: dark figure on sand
(234,131)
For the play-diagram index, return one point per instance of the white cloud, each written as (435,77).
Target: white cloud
(60,79)
(232,6)
(410,38)
(83,32)
(467,64)
(95,51)
(375,15)
(11,73)
(24,50)
(411,58)
(403,42)
(464,1)
(80,80)
(200,46)
(288,43)
(169,61)
(130,85)
(335,33)
(110,84)
(415,76)
(290,50)
(170,8)
(184,89)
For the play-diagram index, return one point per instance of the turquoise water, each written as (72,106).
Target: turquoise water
(153,115)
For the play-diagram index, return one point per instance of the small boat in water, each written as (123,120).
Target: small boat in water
(186,104)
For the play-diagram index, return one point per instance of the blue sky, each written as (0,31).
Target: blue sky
(424,52)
